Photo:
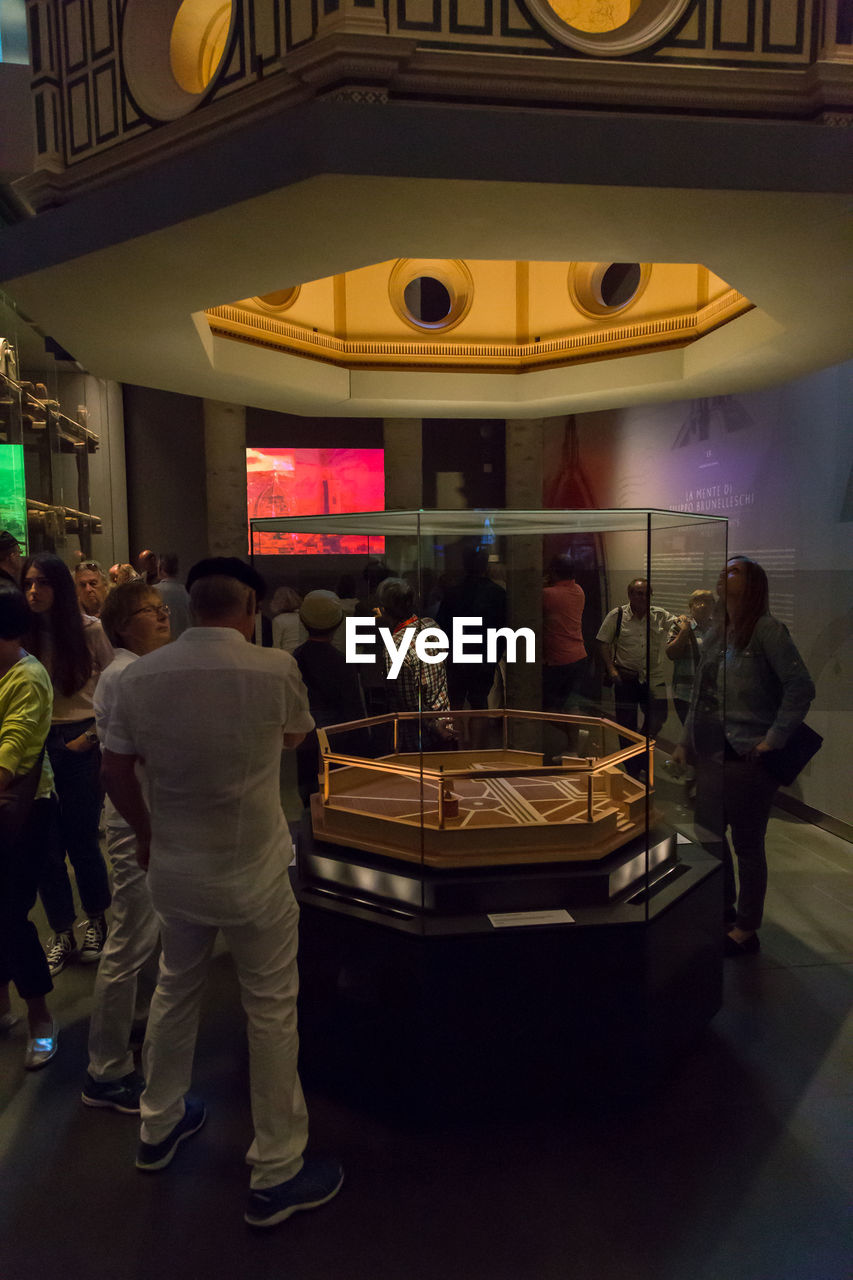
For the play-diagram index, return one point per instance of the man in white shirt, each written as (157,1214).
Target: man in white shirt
(209,715)
(631,641)
(136,622)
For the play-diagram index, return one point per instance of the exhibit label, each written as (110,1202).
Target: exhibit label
(513,919)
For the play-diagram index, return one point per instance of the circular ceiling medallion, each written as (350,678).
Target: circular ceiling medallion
(280,300)
(432,294)
(172,52)
(608,30)
(603,289)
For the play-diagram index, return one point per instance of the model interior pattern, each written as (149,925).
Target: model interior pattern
(481,808)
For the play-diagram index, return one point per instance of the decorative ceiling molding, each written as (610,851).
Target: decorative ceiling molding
(601,336)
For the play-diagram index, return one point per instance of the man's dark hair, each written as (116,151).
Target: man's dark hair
(169,563)
(397,598)
(217,596)
(14,613)
(228,567)
(8,544)
(374,573)
(562,566)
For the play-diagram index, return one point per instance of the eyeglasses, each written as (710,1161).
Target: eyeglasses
(91,565)
(162,610)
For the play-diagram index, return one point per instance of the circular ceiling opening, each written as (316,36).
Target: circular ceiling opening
(602,289)
(173,51)
(619,284)
(431,293)
(280,300)
(427,300)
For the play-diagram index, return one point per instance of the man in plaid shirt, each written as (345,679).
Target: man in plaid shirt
(420,686)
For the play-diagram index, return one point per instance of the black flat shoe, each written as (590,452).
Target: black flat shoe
(749,947)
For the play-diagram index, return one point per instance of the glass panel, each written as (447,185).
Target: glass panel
(685,562)
(475,793)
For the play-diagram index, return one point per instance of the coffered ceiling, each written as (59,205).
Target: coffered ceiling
(124,277)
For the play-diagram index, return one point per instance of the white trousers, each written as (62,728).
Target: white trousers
(265,958)
(131,948)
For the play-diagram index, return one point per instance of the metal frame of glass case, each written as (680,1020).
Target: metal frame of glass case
(535,841)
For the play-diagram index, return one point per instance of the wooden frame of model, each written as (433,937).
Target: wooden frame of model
(485,807)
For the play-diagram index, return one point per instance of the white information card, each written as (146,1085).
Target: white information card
(512,919)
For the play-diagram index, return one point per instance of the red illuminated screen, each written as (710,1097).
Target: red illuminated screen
(311,482)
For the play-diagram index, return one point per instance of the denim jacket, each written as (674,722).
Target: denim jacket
(767,687)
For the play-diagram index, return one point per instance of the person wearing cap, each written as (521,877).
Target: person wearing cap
(334,689)
(10,558)
(209,715)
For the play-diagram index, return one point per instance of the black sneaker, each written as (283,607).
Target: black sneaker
(60,950)
(151,1156)
(93,940)
(118,1095)
(315,1184)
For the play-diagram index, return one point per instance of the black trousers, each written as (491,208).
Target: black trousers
(77,775)
(22,958)
(737,795)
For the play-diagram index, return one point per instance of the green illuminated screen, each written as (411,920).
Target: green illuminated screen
(13,496)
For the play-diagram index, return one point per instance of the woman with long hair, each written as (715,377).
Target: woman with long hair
(74,650)
(750,665)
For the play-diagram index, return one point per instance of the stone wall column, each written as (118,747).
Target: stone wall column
(403,484)
(225,470)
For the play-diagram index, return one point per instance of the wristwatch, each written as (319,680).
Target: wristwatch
(90,735)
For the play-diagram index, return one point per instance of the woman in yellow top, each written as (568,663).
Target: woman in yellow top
(75,651)
(26,702)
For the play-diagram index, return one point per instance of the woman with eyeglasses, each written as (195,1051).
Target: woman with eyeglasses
(74,649)
(136,622)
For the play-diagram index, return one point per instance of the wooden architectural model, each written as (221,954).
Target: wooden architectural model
(481,808)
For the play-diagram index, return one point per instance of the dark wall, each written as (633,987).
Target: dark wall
(476,450)
(166,490)
(266,429)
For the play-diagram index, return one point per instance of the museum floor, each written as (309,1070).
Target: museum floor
(736,1167)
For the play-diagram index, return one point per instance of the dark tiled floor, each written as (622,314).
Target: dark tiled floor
(737,1166)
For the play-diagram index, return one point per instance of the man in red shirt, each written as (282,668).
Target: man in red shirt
(564,653)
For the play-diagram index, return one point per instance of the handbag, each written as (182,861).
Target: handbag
(16,802)
(786,763)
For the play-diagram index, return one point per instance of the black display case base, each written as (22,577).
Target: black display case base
(429,1014)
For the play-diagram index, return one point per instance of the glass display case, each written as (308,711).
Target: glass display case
(512,773)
